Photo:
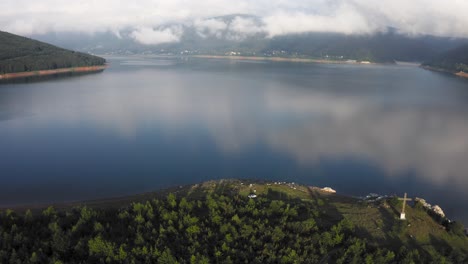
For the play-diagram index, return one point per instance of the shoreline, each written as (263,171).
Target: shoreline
(83,69)
(242,187)
(282,59)
(462,74)
(459,74)
(118,201)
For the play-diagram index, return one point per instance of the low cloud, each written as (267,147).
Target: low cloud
(278,17)
(247,26)
(210,27)
(345,20)
(150,36)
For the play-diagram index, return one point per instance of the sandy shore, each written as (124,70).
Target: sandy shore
(462,74)
(51,72)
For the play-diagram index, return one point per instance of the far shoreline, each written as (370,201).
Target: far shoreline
(283,59)
(82,69)
(435,69)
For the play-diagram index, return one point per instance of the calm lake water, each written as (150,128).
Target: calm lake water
(150,123)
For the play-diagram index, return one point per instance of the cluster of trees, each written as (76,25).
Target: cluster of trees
(19,54)
(218,228)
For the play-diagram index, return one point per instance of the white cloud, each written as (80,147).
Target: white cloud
(344,20)
(237,29)
(246,26)
(241,28)
(445,18)
(150,36)
(214,27)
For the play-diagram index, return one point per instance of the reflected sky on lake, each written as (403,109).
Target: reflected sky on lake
(147,123)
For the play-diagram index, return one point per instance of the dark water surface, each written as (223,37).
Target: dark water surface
(148,123)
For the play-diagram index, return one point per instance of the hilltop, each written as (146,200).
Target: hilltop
(20,54)
(216,221)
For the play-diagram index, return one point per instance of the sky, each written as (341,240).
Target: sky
(148,19)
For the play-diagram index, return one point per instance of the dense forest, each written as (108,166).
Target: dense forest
(20,54)
(216,225)
(455,60)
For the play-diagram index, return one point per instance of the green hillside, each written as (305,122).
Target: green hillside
(20,54)
(216,222)
(455,60)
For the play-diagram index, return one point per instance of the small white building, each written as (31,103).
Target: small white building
(328,190)
(437,210)
(402,216)
(252,196)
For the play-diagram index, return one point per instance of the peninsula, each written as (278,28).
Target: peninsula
(23,57)
(232,221)
(454,61)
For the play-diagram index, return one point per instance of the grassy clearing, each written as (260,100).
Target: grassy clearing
(378,222)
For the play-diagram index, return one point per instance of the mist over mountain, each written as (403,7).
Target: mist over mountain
(418,17)
(381,31)
(244,35)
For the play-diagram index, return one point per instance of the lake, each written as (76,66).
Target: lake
(148,123)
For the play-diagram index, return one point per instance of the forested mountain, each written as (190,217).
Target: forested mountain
(243,35)
(216,222)
(454,60)
(379,47)
(20,54)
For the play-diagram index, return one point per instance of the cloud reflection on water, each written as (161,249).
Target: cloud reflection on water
(306,123)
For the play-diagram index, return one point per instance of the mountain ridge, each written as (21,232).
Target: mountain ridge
(454,61)
(243,34)
(22,54)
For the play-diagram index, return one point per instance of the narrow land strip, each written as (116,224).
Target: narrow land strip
(459,74)
(283,59)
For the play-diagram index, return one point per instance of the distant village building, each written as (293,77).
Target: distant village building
(437,210)
(328,190)
(423,202)
(434,208)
